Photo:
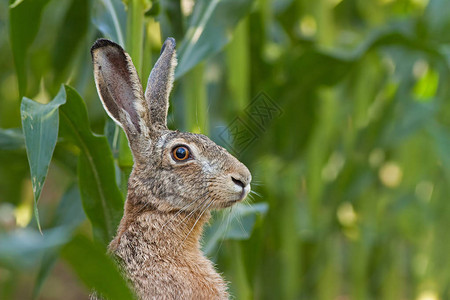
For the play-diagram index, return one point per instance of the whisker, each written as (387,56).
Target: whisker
(246,201)
(229,216)
(238,218)
(184,208)
(256,193)
(187,216)
(249,196)
(194,210)
(144,207)
(196,221)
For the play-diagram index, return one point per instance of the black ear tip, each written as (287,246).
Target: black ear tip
(169,43)
(100,43)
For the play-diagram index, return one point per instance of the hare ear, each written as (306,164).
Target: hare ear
(119,88)
(160,84)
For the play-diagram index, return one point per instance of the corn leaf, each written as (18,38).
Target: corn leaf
(209,30)
(40,128)
(102,200)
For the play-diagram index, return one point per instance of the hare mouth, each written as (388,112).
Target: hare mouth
(240,197)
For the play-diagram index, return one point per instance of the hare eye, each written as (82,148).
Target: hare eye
(180,153)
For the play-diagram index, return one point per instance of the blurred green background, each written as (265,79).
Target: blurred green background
(351,171)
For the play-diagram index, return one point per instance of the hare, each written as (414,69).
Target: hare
(177,178)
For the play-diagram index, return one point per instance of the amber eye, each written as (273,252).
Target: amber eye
(180,153)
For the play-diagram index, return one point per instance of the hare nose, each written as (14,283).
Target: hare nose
(238,182)
(241,179)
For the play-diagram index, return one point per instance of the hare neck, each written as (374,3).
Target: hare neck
(160,254)
(174,232)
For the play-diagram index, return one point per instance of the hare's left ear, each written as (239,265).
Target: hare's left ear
(120,91)
(160,84)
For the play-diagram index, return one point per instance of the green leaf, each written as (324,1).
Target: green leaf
(238,226)
(409,118)
(154,9)
(40,128)
(441,140)
(323,68)
(23,36)
(209,30)
(11,139)
(109,17)
(426,87)
(13,171)
(393,36)
(112,131)
(102,200)
(96,269)
(71,34)
(69,214)
(22,248)
(437,20)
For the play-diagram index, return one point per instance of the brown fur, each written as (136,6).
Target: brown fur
(168,201)
(161,263)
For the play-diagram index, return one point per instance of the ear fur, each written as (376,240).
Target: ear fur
(119,88)
(160,84)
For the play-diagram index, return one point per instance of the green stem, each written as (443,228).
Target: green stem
(240,288)
(238,68)
(196,101)
(325,26)
(319,151)
(134,46)
(135,32)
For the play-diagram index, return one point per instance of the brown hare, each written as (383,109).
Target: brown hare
(177,178)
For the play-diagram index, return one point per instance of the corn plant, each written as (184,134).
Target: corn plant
(339,108)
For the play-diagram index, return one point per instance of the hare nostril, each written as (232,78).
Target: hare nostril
(238,182)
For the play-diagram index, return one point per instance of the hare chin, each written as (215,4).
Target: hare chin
(229,203)
(221,205)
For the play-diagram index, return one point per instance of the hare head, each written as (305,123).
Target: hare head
(172,170)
